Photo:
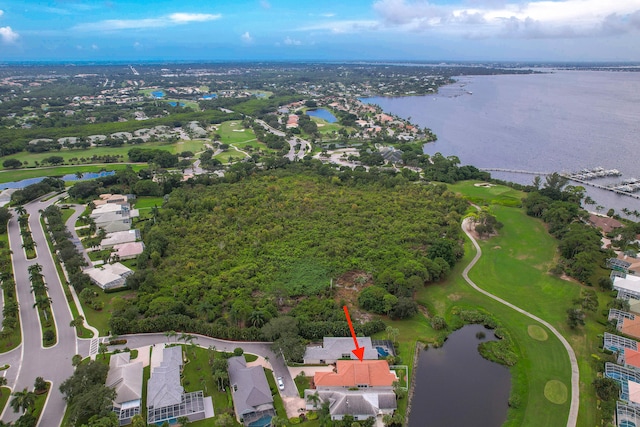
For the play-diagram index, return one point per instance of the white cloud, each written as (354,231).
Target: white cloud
(246,37)
(291,42)
(328,15)
(136,24)
(94,46)
(484,18)
(137,45)
(350,26)
(7,35)
(1,12)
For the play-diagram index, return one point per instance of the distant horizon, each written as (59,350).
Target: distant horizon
(333,30)
(486,62)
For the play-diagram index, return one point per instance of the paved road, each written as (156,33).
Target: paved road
(53,363)
(575,373)
(71,222)
(259,348)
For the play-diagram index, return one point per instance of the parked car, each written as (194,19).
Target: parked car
(280,383)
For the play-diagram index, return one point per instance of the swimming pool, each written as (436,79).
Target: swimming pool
(265,422)
(382,352)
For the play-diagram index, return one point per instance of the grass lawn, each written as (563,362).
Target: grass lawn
(515,267)
(20,174)
(148,202)
(40,401)
(193,145)
(13,339)
(197,376)
(495,195)
(232,132)
(186,102)
(5,394)
(99,319)
(277,400)
(230,154)
(302,383)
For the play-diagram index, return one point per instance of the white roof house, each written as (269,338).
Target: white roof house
(109,207)
(627,287)
(120,237)
(109,276)
(125,377)
(336,348)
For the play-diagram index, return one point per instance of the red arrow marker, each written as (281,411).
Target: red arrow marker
(359,351)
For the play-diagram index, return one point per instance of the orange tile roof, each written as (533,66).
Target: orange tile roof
(631,327)
(632,357)
(351,373)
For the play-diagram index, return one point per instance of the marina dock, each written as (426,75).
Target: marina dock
(627,188)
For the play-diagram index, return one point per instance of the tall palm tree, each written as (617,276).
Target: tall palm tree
(43,302)
(22,400)
(3,382)
(20,210)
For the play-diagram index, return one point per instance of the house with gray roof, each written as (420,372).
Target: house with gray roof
(166,399)
(125,377)
(360,404)
(336,348)
(252,400)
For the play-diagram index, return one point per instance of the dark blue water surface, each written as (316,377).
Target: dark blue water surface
(456,387)
(322,114)
(560,121)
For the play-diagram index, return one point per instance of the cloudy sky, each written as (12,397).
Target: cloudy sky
(582,30)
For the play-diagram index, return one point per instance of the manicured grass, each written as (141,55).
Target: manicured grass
(100,319)
(12,340)
(230,154)
(302,383)
(186,102)
(197,376)
(250,357)
(494,195)
(193,145)
(5,394)
(148,202)
(556,392)
(537,333)
(20,174)
(39,403)
(277,400)
(230,132)
(515,267)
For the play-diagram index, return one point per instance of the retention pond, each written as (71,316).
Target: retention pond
(455,386)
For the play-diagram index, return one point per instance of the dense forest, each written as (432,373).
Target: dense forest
(227,258)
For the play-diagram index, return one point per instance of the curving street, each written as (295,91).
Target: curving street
(575,373)
(52,363)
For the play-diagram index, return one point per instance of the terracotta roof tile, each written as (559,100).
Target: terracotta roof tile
(351,373)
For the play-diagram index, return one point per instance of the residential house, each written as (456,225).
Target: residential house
(359,389)
(336,348)
(166,399)
(126,251)
(252,400)
(108,276)
(125,376)
(120,237)
(354,373)
(606,224)
(627,287)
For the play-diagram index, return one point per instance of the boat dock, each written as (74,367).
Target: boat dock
(627,188)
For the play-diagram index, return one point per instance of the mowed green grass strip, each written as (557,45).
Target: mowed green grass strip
(232,132)
(538,361)
(20,174)
(515,267)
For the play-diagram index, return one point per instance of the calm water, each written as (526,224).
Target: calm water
(562,121)
(456,387)
(323,114)
(68,177)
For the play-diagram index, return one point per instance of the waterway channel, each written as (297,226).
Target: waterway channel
(456,387)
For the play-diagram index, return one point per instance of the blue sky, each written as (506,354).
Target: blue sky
(551,30)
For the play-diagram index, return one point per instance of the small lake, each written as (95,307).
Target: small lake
(210,96)
(455,386)
(323,114)
(175,104)
(68,177)
(158,94)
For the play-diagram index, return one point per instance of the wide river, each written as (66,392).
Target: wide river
(558,121)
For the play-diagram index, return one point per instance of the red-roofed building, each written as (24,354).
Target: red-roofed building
(353,373)
(632,358)
(631,327)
